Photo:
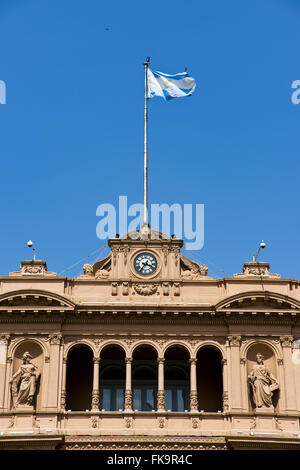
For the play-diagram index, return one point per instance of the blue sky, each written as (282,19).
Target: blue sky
(71,131)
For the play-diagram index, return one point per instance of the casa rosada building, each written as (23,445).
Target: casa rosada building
(145,351)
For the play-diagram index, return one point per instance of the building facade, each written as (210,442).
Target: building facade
(146,351)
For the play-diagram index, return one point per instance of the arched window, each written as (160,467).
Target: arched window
(144,378)
(177,383)
(112,379)
(209,380)
(79,381)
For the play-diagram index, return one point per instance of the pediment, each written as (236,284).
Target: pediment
(259,301)
(34,298)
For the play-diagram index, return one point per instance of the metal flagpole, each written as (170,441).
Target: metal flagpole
(146,65)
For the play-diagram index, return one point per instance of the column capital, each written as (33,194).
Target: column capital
(160,360)
(55,339)
(128,360)
(96,360)
(193,360)
(234,340)
(4,338)
(286,341)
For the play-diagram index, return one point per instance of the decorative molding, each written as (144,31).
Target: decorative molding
(176,287)
(194,400)
(114,288)
(128,400)
(94,421)
(33,267)
(47,359)
(160,400)
(55,339)
(11,422)
(4,338)
(165,251)
(225,401)
(242,361)
(165,286)
(286,341)
(95,400)
(253,423)
(195,422)
(234,340)
(97,341)
(146,288)
(125,288)
(128,422)
(280,362)
(63,398)
(161,422)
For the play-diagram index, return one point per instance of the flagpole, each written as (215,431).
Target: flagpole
(146,65)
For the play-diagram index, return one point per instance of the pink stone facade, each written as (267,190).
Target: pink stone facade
(180,340)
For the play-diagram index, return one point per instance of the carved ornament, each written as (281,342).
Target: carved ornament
(286,341)
(234,340)
(145,289)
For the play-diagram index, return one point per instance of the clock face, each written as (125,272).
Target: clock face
(145,263)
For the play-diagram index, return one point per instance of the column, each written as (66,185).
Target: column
(193,385)
(236,385)
(95,393)
(161,385)
(225,385)
(4,339)
(128,389)
(63,395)
(53,382)
(289,379)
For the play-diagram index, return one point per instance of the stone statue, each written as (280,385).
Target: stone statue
(28,375)
(263,383)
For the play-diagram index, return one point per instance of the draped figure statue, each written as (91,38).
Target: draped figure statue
(263,383)
(27,376)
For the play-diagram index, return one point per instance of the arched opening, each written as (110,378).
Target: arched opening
(209,379)
(144,378)
(79,380)
(112,378)
(177,379)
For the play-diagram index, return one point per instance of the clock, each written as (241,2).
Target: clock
(145,263)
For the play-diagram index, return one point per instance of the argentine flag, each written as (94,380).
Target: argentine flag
(169,86)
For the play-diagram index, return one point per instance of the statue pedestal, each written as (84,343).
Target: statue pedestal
(264,410)
(264,419)
(24,408)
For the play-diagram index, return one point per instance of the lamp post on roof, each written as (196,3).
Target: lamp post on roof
(30,245)
(261,246)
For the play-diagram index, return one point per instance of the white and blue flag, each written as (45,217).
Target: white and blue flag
(169,86)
